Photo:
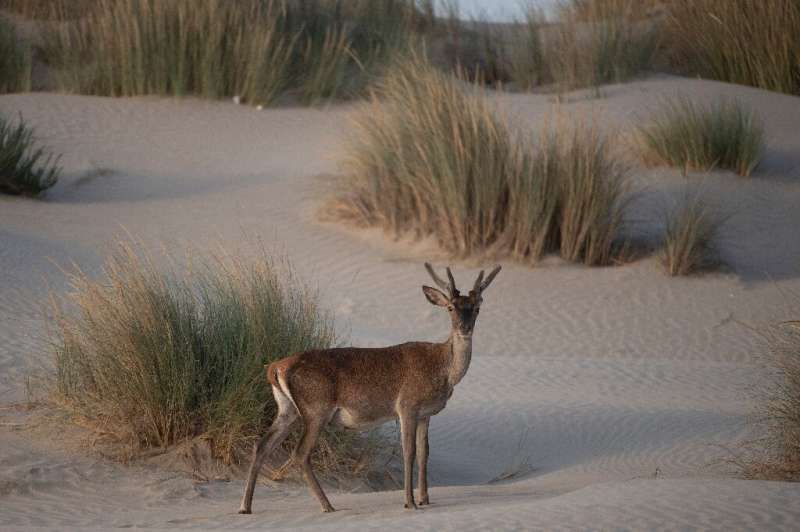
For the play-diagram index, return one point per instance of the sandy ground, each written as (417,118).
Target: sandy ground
(612,394)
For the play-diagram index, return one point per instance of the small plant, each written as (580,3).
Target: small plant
(156,356)
(693,136)
(15,60)
(691,229)
(24,168)
(432,159)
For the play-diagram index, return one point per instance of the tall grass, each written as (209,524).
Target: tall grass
(15,60)
(694,136)
(158,355)
(780,409)
(432,158)
(751,42)
(25,169)
(254,49)
(598,42)
(691,229)
(525,52)
(49,9)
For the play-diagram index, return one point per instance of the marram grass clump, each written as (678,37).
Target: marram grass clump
(256,50)
(156,355)
(431,157)
(695,136)
(689,241)
(750,42)
(25,169)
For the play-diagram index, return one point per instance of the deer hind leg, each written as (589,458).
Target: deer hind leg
(408,433)
(422,460)
(314,424)
(277,432)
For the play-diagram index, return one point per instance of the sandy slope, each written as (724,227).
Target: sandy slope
(613,392)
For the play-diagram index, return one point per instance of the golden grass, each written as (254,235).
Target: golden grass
(253,49)
(430,157)
(750,42)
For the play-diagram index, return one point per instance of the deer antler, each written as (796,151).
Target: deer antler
(477,286)
(485,284)
(450,287)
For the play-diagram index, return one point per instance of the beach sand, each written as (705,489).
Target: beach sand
(611,398)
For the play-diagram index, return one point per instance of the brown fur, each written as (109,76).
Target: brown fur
(361,387)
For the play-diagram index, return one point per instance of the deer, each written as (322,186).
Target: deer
(361,388)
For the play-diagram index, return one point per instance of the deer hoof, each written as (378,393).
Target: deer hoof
(328,509)
(424,502)
(245,511)
(411,506)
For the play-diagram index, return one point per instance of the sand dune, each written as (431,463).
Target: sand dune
(609,396)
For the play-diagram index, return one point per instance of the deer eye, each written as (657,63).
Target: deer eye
(450,308)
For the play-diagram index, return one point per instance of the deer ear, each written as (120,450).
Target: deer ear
(435,296)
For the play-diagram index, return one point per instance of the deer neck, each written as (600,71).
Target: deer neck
(460,348)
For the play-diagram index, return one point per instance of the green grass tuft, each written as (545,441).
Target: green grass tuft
(159,355)
(432,158)
(24,168)
(693,136)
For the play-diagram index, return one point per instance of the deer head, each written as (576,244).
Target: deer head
(463,310)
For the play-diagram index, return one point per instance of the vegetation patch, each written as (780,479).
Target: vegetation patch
(750,42)
(694,136)
(431,157)
(253,49)
(776,456)
(24,168)
(691,229)
(151,356)
(599,42)
(15,60)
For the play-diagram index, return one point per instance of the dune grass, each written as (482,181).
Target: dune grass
(691,229)
(430,157)
(693,136)
(254,49)
(155,355)
(49,9)
(25,169)
(750,42)
(15,60)
(599,42)
(780,409)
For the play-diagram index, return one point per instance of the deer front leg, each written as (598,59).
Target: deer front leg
(408,432)
(422,460)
